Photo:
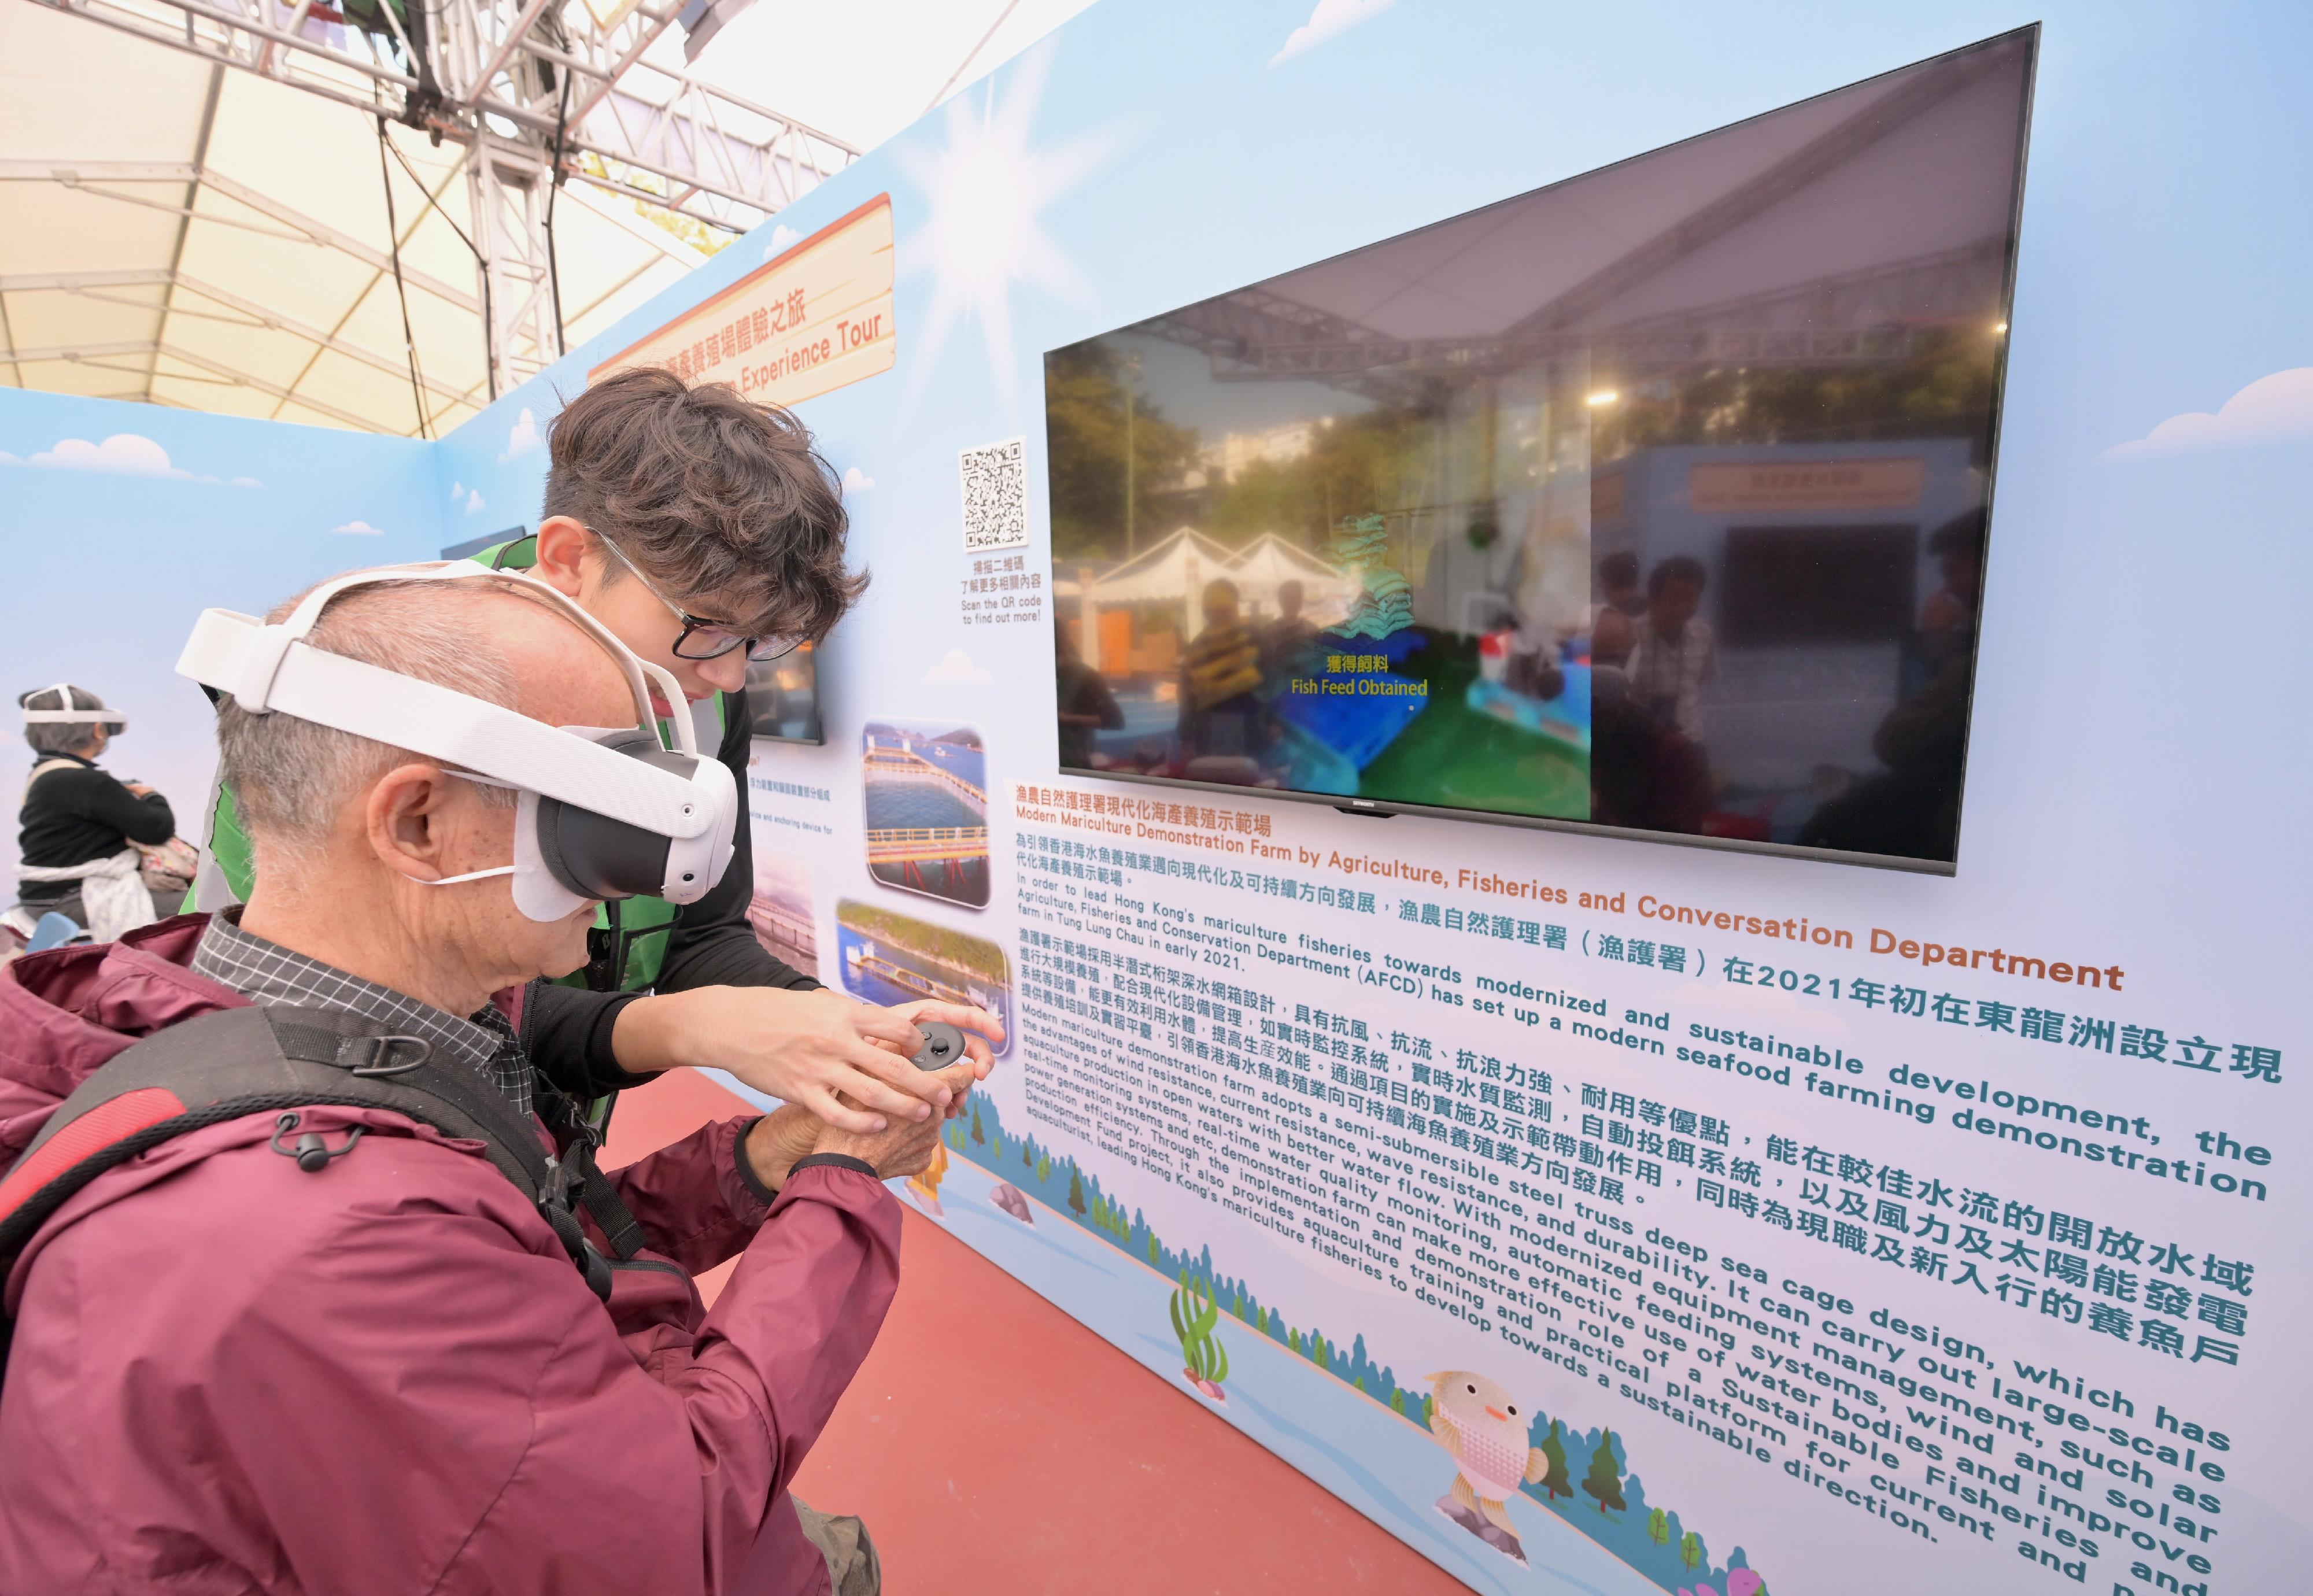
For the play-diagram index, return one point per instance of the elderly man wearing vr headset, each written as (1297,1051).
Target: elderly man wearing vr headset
(302,1295)
(704,531)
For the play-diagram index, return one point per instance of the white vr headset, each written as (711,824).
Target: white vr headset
(70,717)
(604,813)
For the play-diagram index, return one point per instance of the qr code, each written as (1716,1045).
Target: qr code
(995,496)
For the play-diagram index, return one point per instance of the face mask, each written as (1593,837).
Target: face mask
(604,813)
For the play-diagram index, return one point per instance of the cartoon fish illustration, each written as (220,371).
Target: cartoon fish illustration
(1485,1432)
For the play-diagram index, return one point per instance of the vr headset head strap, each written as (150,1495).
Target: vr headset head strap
(641,675)
(68,716)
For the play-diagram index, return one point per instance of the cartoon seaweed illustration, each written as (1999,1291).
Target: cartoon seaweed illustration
(1206,1360)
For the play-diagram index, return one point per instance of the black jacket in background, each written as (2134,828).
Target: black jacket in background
(72,816)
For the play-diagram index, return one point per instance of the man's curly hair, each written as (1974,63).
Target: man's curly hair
(711,496)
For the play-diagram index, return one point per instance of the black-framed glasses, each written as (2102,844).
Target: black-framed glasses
(705,639)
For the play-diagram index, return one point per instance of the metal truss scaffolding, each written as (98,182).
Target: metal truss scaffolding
(539,93)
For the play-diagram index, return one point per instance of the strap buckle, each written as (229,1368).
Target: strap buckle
(374,1056)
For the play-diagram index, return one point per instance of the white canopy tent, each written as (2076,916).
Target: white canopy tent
(180,232)
(198,209)
(1266,563)
(1690,238)
(1166,573)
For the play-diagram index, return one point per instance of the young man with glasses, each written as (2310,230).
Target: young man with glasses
(703,531)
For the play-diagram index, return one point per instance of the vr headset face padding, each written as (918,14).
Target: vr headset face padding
(597,857)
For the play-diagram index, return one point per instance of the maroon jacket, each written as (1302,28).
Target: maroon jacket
(228,1375)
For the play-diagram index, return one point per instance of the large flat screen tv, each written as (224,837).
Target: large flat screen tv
(1654,501)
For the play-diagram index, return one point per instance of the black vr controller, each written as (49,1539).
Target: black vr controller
(942,1046)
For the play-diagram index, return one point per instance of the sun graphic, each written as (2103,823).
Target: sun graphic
(983,234)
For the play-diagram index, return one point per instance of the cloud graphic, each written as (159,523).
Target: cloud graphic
(2271,409)
(856,481)
(247,482)
(957,667)
(782,238)
(1331,18)
(359,529)
(8,459)
(474,502)
(522,439)
(457,493)
(124,454)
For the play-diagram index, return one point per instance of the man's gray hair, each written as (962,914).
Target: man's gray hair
(289,779)
(66,736)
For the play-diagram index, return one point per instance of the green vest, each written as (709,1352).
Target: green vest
(628,947)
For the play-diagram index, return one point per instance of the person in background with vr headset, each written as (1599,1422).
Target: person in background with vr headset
(705,532)
(324,1332)
(79,823)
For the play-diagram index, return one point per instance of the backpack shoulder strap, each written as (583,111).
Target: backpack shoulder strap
(45,766)
(239,1062)
(516,554)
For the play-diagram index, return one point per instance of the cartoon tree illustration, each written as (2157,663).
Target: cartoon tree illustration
(1605,1480)
(1194,1314)
(979,1136)
(1690,1549)
(1397,1400)
(1152,1246)
(1553,1451)
(1076,1192)
(1658,1527)
(1027,1162)
(1044,1168)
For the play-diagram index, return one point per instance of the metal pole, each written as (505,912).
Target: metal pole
(1131,465)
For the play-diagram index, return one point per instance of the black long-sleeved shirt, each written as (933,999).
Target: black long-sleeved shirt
(71,816)
(567,1029)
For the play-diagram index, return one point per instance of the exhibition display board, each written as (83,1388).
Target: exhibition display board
(1595,1212)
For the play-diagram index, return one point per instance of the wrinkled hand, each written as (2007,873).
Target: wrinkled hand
(778,1139)
(905,1147)
(845,1061)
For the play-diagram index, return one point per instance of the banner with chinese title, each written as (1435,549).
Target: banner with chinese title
(811,320)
